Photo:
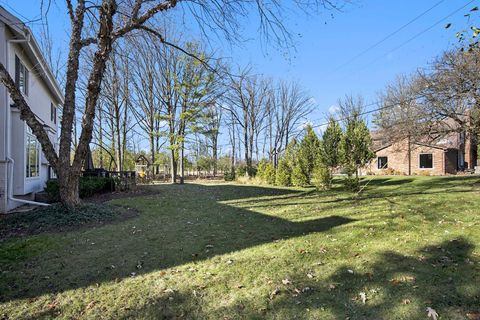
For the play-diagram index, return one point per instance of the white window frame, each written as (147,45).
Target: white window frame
(433,160)
(29,137)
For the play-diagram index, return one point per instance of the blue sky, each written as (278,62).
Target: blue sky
(325,43)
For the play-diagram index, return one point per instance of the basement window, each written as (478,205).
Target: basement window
(426,161)
(382,162)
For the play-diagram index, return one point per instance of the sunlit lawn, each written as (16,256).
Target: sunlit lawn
(230,251)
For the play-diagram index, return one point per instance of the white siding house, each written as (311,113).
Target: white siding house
(23,167)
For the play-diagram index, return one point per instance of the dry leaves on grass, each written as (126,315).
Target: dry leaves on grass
(473,316)
(431,313)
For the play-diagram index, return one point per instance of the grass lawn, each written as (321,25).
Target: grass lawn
(231,251)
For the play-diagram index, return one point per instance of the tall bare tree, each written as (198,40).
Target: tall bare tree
(101,23)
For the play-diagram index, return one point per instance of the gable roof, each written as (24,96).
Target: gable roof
(22,32)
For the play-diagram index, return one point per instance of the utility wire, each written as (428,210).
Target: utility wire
(373,110)
(389,35)
(421,32)
(398,47)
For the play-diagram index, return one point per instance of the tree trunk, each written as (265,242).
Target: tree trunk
(173,164)
(182,169)
(68,183)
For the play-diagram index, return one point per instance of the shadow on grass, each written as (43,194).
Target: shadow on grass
(181,224)
(443,277)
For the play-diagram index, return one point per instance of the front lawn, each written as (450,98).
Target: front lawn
(226,251)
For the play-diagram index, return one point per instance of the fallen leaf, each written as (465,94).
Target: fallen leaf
(431,313)
(310,275)
(473,315)
(274,293)
(286,281)
(331,286)
(406,301)
(363,297)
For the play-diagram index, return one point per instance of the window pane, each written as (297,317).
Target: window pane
(426,161)
(32,152)
(27,158)
(382,162)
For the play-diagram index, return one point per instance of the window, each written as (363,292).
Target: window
(21,76)
(53,113)
(382,162)
(426,161)
(32,156)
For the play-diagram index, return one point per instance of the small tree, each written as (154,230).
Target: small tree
(322,176)
(355,147)
(308,152)
(284,174)
(299,177)
(330,155)
(269,173)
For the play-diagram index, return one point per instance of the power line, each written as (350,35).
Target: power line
(389,35)
(421,32)
(373,110)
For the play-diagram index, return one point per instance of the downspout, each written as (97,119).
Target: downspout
(10,187)
(10,162)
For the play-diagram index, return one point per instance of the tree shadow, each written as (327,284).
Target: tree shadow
(396,286)
(181,224)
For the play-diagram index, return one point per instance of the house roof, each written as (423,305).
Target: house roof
(22,32)
(416,143)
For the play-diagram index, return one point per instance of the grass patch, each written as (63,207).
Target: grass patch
(229,251)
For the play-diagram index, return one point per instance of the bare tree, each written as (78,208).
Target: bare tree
(100,24)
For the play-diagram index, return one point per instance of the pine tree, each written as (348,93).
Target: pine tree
(356,150)
(284,174)
(330,155)
(269,174)
(308,152)
(299,177)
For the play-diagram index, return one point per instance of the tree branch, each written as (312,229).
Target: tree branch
(29,117)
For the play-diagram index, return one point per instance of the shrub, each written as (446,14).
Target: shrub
(242,171)
(88,187)
(352,183)
(229,175)
(322,177)
(261,169)
(266,172)
(284,174)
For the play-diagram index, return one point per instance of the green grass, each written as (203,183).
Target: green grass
(238,251)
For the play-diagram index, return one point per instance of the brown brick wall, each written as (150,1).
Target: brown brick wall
(398,160)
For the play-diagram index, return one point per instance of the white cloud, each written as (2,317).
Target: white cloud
(334,109)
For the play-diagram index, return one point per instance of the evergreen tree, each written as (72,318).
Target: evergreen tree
(269,173)
(284,173)
(308,152)
(299,176)
(355,146)
(322,176)
(330,155)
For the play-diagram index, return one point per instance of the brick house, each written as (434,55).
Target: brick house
(452,153)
